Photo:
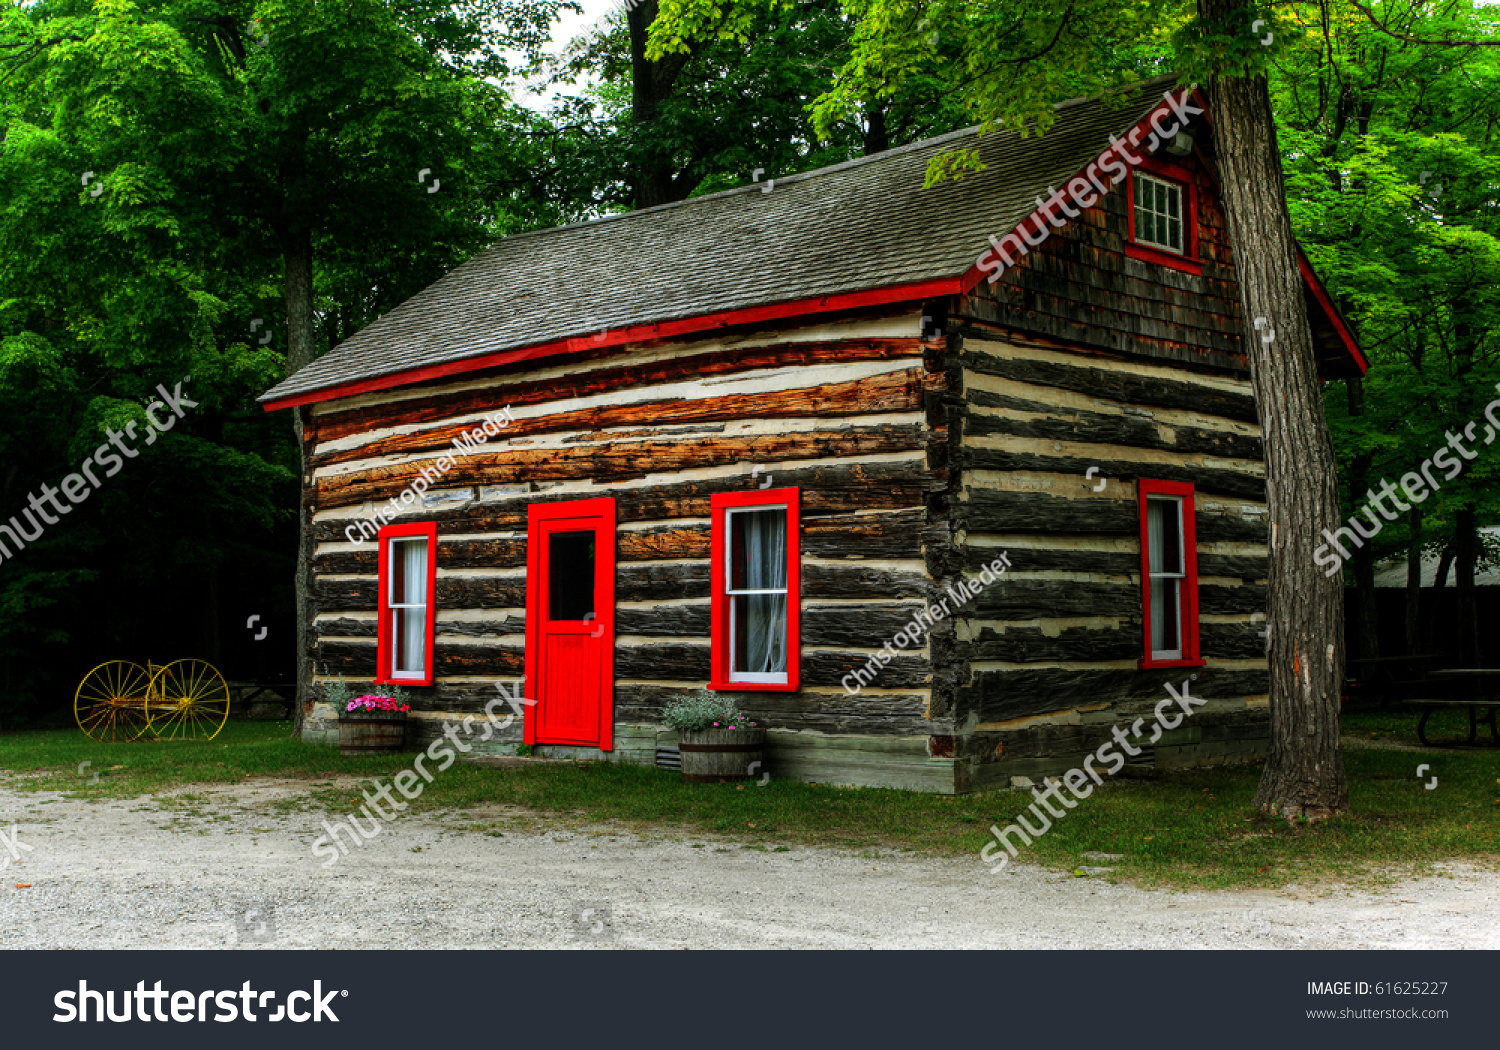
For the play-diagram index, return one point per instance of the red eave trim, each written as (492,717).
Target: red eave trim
(615,337)
(1321,295)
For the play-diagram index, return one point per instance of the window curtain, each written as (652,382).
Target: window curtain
(763,625)
(1160,532)
(412,592)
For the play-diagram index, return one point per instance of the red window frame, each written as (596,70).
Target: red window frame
(1190,642)
(719,567)
(383,647)
(1187,262)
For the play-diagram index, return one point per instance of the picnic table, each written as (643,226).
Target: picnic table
(246,693)
(1384,678)
(1473,677)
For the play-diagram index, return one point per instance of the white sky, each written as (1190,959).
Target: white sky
(568,27)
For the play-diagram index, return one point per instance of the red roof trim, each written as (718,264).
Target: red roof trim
(1321,295)
(664,329)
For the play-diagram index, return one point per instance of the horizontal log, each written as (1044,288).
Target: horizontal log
(358,658)
(667,621)
(1229,601)
(1056,559)
(1232,641)
(342,595)
(854,627)
(1030,645)
(463,554)
(604,462)
(899,534)
(650,582)
(832,489)
(587,382)
(1115,384)
(1071,424)
(1018,599)
(462,592)
(676,661)
(895,714)
(1229,528)
(345,627)
(1234,566)
(860,581)
(663,543)
(892,535)
(1074,741)
(1204,479)
(892,392)
(997,696)
(993,510)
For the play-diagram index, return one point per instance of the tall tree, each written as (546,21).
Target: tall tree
(653,130)
(275,142)
(1304,774)
(1391,156)
(1017,59)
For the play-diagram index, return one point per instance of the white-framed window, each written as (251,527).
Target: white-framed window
(756,589)
(406,605)
(1158,213)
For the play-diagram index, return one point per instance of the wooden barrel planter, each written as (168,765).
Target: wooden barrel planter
(721,754)
(371,732)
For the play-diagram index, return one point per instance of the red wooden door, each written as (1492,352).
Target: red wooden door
(570,622)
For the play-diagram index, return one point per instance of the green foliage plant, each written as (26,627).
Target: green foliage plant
(701,710)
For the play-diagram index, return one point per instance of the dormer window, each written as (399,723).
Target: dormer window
(1162,216)
(1158,213)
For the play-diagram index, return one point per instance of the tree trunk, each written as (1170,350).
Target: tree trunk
(651,84)
(1366,632)
(1437,642)
(298,257)
(1304,774)
(1465,559)
(1465,521)
(877,137)
(1414,583)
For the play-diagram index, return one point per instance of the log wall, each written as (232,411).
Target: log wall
(840,410)
(1046,660)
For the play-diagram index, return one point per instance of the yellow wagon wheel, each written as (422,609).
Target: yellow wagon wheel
(110,704)
(189,700)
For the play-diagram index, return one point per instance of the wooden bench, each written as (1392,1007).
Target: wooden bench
(1474,706)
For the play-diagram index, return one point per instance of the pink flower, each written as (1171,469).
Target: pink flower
(733,727)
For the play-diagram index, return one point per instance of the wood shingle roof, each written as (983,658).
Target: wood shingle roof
(861,225)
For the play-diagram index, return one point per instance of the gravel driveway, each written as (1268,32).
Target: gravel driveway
(238,872)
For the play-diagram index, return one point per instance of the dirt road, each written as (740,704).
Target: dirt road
(232,870)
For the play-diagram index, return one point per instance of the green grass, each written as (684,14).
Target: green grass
(1193,827)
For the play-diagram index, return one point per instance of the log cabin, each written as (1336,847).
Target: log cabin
(939,484)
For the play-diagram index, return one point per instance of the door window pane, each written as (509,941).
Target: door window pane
(570,575)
